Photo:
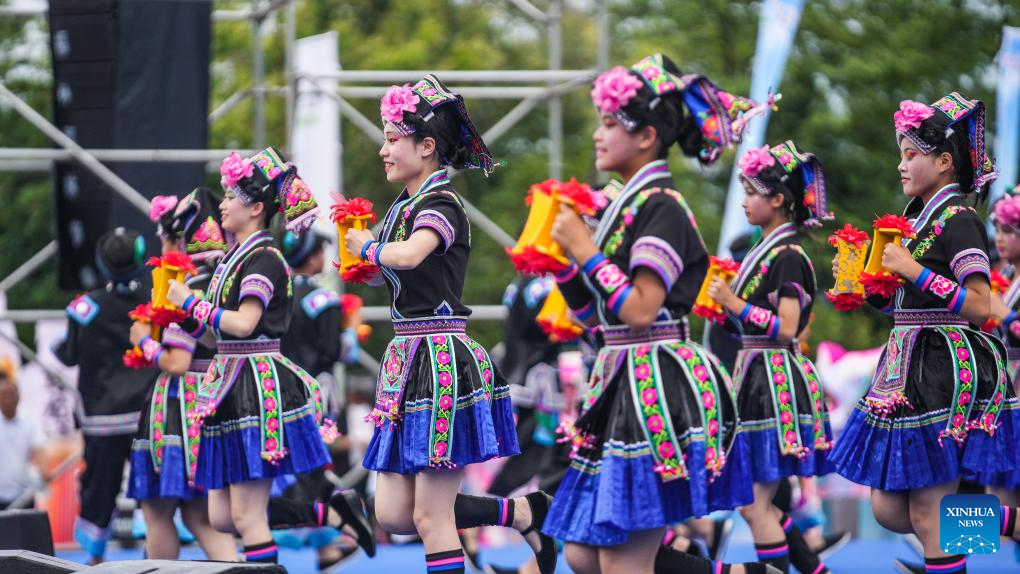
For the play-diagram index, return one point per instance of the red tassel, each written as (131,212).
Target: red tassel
(350,303)
(709,314)
(846,301)
(359,273)
(532,262)
(849,234)
(134,359)
(356,207)
(895,222)
(881,284)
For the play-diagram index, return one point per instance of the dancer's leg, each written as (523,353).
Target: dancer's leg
(637,556)
(161,540)
(394,502)
(216,545)
(434,496)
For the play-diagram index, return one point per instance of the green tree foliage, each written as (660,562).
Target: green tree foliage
(853,61)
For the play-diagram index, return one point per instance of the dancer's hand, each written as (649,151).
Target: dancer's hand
(177,293)
(897,259)
(139,331)
(356,239)
(572,234)
(721,293)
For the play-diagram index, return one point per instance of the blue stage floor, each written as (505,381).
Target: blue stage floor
(870,556)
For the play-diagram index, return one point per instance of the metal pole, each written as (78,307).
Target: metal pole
(228,104)
(29,266)
(555,17)
(31,355)
(453,76)
(121,155)
(290,37)
(91,163)
(512,117)
(487,225)
(366,125)
(259,82)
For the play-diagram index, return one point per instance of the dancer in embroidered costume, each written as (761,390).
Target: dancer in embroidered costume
(440,402)
(940,405)
(1005,306)
(779,391)
(656,442)
(164,454)
(262,413)
(112,395)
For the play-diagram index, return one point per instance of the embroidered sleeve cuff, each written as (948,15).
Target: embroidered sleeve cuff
(175,337)
(790,289)
(432,219)
(258,286)
(660,257)
(968,262)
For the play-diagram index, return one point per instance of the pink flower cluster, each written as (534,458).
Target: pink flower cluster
(756,160)
(614,89)
(160,205)
(235,168)
(396,101)
(911,115)
(1007,210)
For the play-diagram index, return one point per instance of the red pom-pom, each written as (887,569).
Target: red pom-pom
(356,207)
(559,333)
(164,317)
(359,273)
(153,262)
(180,261)
(350,303)
(846,301)
(881,284)
(532,262)
(580,194)
(999,282)
(849,234)
(895,222)
(142,313)
(709,314)
(724,263)
(134,359)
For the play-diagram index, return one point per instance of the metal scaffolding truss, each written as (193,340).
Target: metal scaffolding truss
(531,87)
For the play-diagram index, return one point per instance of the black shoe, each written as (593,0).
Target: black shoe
(721,532)
(347,553)
(539,503)
(908,567)
(347,504)
(832,544)
(470,558)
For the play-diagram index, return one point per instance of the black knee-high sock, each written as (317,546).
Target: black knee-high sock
(801,556)
(955,564)
(285,513)
(775,553)
(669,560)
(265,552)
(448,562)
(1007,520)
(473,511)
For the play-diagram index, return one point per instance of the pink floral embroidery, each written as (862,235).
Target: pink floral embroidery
(234,168)
(610,277)
(941,286)
(756,160)
(396,101)
(614,89)
(910,115)
(759,317)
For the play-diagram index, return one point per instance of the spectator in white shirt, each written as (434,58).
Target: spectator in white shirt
(22,440)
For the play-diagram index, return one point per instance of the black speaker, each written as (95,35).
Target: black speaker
(25,530)
(26,562)
(126,75)
(183,567)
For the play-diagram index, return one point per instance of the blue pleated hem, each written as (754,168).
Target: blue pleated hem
(769,464)
(905,454)
(231,452)
(480,433)
(170,482)
(599,503)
